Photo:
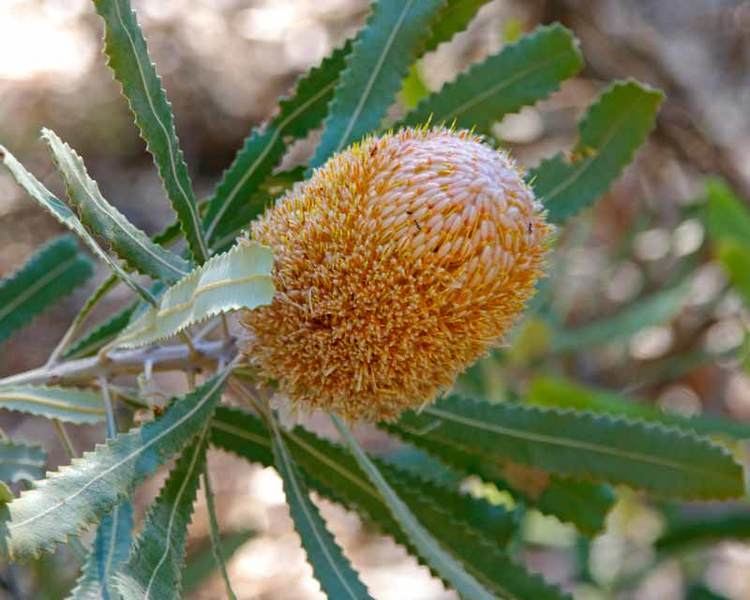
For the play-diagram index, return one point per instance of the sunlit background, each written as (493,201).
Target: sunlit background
(224,64)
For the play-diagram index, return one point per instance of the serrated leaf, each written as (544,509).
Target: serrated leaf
(65,404)
(154,569)
(265,146)
(240,278)
(334,473)
(60,211)
(21,462)
(520,74)
(91,486)
(99,216)
(53,272)
(331,568)
(131,65)
(655,309)
(453,18)
(662,460)
(612,129)
(384,49)
(687,531)
(201,563)
(559,393)
(100,335)
(109,552)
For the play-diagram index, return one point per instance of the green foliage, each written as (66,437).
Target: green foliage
(108,553)
(53,402)
(264,148)
(330,566)
(131,65)
(154,569)
(100,335)
(66,501)
(60,211)
(202,563)
(684,532)
(240,278)
(665,461)
(551,392)
(53,272)
(21,462)
(380,57)
(453,18)
(520,74)
(99,216)
(612,129)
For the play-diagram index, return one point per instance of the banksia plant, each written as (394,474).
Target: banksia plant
(367,284)
(398,263)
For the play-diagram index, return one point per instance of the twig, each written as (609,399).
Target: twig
(214,533)
(65,440)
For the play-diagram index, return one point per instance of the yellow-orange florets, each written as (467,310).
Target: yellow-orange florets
(399,263)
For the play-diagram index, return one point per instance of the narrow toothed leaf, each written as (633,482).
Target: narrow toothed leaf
(381,55)
(559,393)
(331,568)
(79,494)
(65,404)
(264,148)
(95,339)
(109,552)
(21,462)
(442,561)
(99,216)
(727,217)
(129,60)
(333,473)
(62,213)
(656,309)
(240,278)
(614,126)
(685,531)
(453,18)
(53,272)
(154,569)
(665,461)
(520,74)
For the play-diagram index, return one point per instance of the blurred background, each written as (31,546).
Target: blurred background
(636,301)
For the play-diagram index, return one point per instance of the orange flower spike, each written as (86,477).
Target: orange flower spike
(398,264)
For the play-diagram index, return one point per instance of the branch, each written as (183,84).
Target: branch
(120,362)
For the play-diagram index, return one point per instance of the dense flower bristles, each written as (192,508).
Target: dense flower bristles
(399,263)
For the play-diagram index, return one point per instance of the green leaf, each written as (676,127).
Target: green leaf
(382,53)
(201,562)
(109,552)
(520,74)
(21,462)
(582,503)
(727,217)
(53,272)
(655,309)
(131,65)
(100,335)
(436,556)
(60,211)
(91,486)
(662,460)
(332,472)
(154,569)
(240,278)
(265,146)
(99,216)
(65,404)
(735,259)
(453,18)
(614,126)
(687,531)
(559,393)
(331,568)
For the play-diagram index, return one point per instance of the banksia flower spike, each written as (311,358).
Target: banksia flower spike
(399,263)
